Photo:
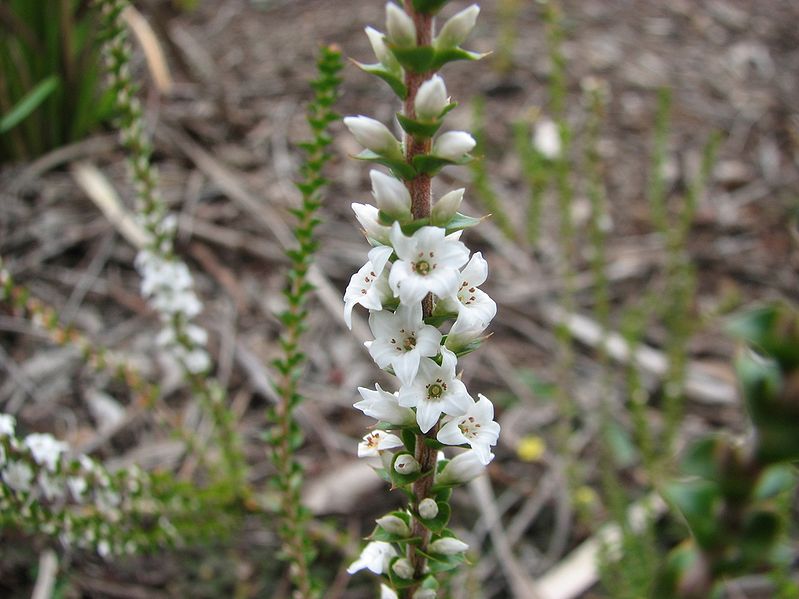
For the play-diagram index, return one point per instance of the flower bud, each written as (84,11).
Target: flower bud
(461,469)
(428,508)
(402,568)
(383,54)
(387,592)
(7,423)
(366,214)
(394,525)
(448,546)
(374,136)
(400,27)
(457,28)
(452,145)
(425,594)
(391,195)
(446,207)
(431,99)
(406,464)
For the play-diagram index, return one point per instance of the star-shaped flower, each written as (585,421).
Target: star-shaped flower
(377,441)
(402,339)
(435,390)
(382,405)
(476,427)
(469,298)
(428,262)
(369,286)
(375,557)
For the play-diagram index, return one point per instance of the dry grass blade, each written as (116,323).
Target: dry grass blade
(153,53)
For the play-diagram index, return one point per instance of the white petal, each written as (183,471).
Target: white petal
(427,414)
(383,324)
(373,135)
(405,247)
(451,434)
(391,195)
(412,288)
(476,271)
(382,352)
(378,256)
(431,99)
(399,273)
(406,366)
(453,145)
(457,28)
(428,341)
(399,25)
(446,207)
(409,396)
(483,452)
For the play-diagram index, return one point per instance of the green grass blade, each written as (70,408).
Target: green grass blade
(29,103)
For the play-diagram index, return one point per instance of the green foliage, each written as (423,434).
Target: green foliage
(285,438)
(731,505)
(49,76)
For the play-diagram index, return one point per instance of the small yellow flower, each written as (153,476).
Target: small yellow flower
(585,496)
(531,448)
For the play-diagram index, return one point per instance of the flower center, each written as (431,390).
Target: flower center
(410,343)
(469,427)
(422,267)
(436,390)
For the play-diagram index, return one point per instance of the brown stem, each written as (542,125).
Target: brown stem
(421,198)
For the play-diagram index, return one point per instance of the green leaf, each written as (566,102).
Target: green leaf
(430,165)
(697,500)
(392,79)
(428,7)
(775,481)
(400,168)
(444,56)
(701,458)
(773,329)
(462,221)
(418,59)
(419,129)
(28,103)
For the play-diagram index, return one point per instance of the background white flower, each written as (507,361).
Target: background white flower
(46,450)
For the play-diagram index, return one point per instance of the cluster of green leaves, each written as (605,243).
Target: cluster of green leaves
(49,76)
(285,438)
(731,500)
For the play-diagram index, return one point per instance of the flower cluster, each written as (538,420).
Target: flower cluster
(85,505)
(166,281)
(419,276)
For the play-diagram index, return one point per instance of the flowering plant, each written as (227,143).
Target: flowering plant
(419,275)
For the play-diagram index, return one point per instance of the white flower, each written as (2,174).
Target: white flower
(402,339)
(367,216)
(51,487)
(7,423)
(403,568)
(428,263)
(369,286)
(18,476)
(400,27)
(476,427)
(391,195)
(546,139)
(77,486)
(377,441)
(448,546)
(374,135)
(383,54)
(394,525)
(168,284)
(383,405)
(468,327)
(446,207)
(476,303)
(461,469)
(431,99)
(46,450)
(453,145)
(406,464)
(374,557)
(428,508)
(436,390)
(387,592)
(457,28)
(196,360)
